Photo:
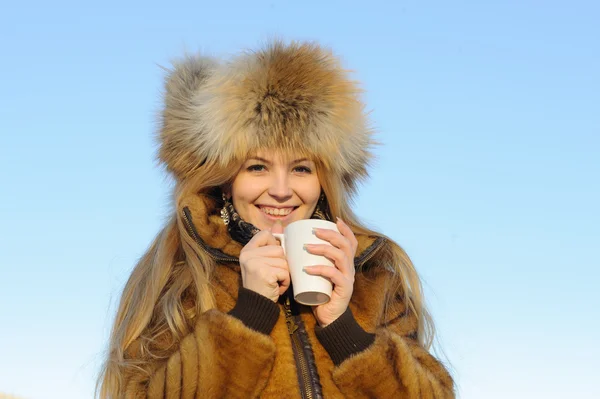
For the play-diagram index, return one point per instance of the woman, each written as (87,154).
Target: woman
(272,137)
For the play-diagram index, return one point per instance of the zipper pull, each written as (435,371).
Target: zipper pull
(289,318)
(292,327)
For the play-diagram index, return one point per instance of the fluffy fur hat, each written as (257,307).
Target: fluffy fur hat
(286,96)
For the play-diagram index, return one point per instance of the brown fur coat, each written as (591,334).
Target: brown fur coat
(223,358)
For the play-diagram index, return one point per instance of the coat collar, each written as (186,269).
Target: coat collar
(201,215)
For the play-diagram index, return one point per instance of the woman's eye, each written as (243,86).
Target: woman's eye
(302,169)
(255,168)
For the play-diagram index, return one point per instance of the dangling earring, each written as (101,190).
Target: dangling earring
(321,211)
(224,210)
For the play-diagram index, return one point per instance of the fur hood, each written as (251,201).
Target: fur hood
(293,97)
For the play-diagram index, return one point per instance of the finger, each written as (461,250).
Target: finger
(261,239)
(277,227)
(268,251)
(333,274)
(347,232)
(284,281)
(336,239)
(338,256)
(278,263)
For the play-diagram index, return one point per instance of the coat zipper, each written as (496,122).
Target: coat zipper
(306,388)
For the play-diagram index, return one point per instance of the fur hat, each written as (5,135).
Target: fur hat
(293,97)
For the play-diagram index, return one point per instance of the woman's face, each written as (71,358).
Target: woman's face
(271,187)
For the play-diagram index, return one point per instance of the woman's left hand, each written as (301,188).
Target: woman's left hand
(341,251)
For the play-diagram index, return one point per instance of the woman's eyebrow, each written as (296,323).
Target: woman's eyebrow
(301,160)
(259,159)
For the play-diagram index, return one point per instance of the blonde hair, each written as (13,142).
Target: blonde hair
(171,284)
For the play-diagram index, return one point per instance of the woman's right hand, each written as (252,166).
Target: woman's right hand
(264,266)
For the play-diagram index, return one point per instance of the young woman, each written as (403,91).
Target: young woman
(271,137)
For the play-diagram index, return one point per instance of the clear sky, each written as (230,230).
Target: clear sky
(489,175)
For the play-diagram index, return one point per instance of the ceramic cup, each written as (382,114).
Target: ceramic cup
(308,289)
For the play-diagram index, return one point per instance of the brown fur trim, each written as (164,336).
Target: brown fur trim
(396,368)
(209,225)
(292,97)
(219,365)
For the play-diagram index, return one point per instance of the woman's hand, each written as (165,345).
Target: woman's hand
(341,251)
(264,266)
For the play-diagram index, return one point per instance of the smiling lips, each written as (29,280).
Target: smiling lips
(277,212)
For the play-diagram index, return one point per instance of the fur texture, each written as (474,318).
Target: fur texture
(293,97)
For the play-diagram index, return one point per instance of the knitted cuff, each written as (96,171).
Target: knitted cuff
(255,311)
(344,337)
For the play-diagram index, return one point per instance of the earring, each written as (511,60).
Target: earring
(321,209)
(224,210)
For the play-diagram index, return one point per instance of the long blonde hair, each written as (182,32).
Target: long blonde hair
(171,284)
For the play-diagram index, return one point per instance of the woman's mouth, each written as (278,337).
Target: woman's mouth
(276,213)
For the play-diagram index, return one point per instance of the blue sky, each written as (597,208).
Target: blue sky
(489,174)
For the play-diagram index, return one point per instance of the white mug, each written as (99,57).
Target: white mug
(308,289)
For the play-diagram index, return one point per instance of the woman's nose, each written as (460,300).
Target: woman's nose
(280,187)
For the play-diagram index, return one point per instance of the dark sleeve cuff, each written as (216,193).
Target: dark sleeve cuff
(344,337)
(255,311)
